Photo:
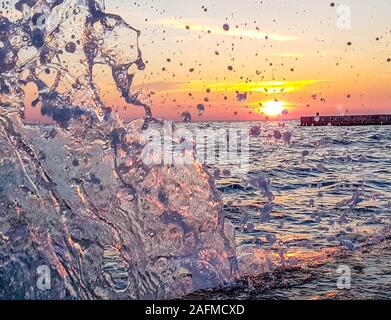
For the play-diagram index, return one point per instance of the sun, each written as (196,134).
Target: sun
(272,107)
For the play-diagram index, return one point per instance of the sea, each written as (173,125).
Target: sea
(329,189)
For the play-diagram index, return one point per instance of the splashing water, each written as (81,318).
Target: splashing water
(75,195)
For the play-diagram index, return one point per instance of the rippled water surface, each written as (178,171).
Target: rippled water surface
(331,188)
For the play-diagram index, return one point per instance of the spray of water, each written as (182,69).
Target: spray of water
(75,195)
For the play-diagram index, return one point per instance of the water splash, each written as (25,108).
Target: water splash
(76,195)
(56,45)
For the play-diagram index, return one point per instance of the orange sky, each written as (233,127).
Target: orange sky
(290,52)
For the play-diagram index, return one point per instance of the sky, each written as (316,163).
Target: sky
(257,60)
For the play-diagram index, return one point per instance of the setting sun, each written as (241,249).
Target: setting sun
(273,107)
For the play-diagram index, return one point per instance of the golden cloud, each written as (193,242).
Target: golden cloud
(197,26)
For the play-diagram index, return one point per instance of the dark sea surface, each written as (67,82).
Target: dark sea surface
(331,191)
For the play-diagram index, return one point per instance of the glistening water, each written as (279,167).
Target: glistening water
(331,189)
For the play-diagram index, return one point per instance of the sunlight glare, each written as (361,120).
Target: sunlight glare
(273,107)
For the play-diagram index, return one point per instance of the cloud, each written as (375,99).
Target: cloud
(259,89)
(266,87)
(197,26)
